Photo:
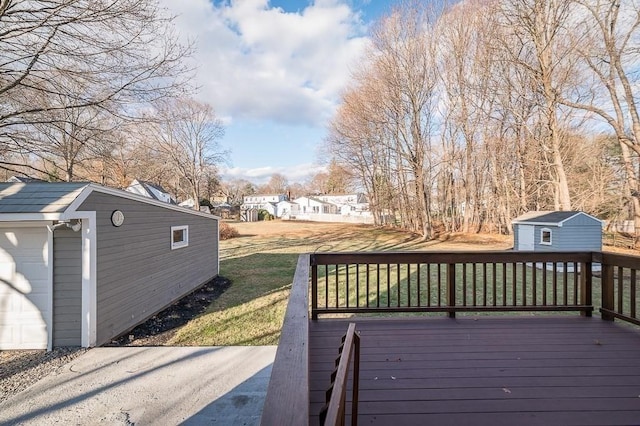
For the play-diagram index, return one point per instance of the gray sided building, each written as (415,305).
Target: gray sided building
(557,231)
(81,263)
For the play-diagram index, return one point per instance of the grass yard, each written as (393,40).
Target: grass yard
(261,263)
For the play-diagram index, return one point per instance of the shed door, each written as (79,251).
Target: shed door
(526,236)
(24,287)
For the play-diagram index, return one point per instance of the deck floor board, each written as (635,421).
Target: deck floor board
(485,370)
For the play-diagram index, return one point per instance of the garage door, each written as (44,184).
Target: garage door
(24,288)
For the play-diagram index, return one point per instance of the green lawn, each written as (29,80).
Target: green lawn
(261,263)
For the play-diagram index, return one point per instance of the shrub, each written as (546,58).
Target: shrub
(264,215)
(227,231)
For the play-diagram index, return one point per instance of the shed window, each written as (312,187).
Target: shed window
(179,236)
(545,236)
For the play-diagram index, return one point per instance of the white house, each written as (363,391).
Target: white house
(268,202)
(287,209)
(150,190)
(357,198)
(348,204)
(257,199)
(313,205)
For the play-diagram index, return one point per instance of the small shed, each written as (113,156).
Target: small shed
(557,231)
(81,263)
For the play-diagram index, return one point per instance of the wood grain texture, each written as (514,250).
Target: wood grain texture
(287,400)
(485,371)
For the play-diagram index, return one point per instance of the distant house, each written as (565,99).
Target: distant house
(314,205)
(268,202)
(348,204)
(349,208)
(224,210)
(287,209)
(353,199)
(81,263)
(557,231)
(219,198)
(150,190)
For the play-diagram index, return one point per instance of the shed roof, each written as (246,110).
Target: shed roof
(38,197)
(549,217)
(61,197)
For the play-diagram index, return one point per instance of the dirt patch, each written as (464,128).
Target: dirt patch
(160,328)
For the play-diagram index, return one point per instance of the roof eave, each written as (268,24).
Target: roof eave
(90,188)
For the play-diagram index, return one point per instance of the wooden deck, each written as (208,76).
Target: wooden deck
(567,370)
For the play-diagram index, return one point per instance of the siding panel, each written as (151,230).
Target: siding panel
(580,233)
(137,272)
(67,288)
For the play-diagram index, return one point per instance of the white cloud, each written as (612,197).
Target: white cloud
(262,63)
(261,175)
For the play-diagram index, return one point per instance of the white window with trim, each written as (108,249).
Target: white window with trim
(179,236)
(545,236)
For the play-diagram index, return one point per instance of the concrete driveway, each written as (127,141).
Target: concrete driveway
(150,386)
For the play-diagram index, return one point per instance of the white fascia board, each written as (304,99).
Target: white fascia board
(29,217)
(582,213)
(50,260)
(89,270)
(89,278)
(526,222)
(86,191)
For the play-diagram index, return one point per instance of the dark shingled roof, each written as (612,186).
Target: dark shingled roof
(45,197)
(545,217)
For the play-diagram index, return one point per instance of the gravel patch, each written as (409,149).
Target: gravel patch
(22,368)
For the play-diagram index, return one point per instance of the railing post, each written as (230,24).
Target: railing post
(607,292)
(586,287)
(314,288)
(451,288)
(356,379)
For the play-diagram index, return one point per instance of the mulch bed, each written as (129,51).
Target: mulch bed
(160,328)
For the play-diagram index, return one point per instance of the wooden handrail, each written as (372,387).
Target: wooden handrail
(289,384)
(333,414)
(451,282)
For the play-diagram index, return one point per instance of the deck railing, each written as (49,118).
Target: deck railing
(620,297)
(334,412)
(439,282)
(450,282)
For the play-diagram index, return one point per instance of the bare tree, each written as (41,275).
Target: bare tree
(187,134)
(86,56)
(463,119)
(607,40)
(278,184)
(405,62)
(236,189)
(535,37)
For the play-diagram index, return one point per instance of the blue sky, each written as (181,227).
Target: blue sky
(274,71)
